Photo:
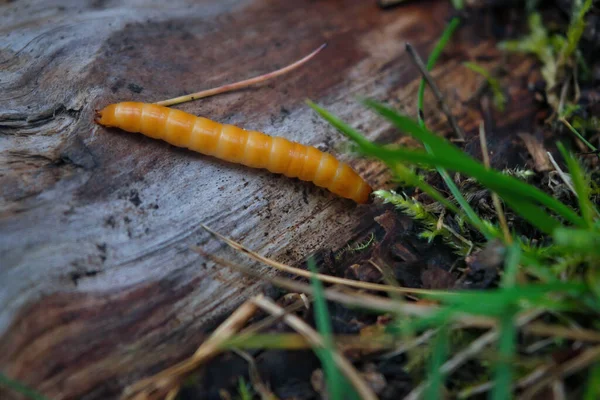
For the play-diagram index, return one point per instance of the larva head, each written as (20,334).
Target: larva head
(106,116)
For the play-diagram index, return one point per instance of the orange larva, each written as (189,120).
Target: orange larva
(230,143)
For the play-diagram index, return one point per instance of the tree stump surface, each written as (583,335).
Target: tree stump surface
(99,286)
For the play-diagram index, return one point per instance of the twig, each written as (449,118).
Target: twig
(436,91)
(364,391)
(242,84)
(168,379)
(322,277)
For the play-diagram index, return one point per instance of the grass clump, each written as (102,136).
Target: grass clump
(528,286)
(557,278)
(561,60)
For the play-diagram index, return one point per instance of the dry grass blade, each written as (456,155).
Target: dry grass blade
(242,84)
(558,390)
(172,395)
(436,91)
(568,368)
(321,277)
(356,299)
(535,328)
(269,320)
(522,383)
(566,179)
(471,351)
(168,379)
(365,301)
(316,340)
(292,341)
(411,344)
(540,329)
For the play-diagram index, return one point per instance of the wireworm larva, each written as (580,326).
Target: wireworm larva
(233,144)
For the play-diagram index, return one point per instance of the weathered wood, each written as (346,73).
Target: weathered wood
(99,287)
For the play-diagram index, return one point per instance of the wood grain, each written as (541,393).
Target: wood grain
(99,287)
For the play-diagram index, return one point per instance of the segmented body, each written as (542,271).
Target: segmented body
(230,143)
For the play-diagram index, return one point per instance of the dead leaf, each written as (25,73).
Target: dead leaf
(538,152)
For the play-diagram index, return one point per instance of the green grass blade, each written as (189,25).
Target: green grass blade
(533,214)
(438,357)
(371,149)
(592,390)
(503,375)
(244,392)
(458,4)
(438,144)
(453,158)
(365,145)
(511,265)
(576,29)
(472,216)
(512,295)
(581,185)
(464,204)
(578,240)
(18,387)
(579,135)
(415,180)
(537,268)
(433,57)
(335,382)
(495,303)
(506,187)
(450,157)
(499,98)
